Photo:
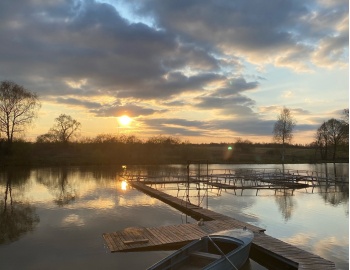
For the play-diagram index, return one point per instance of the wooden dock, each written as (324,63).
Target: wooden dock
(242,178)
(137,239)
(175,236)
(188,208)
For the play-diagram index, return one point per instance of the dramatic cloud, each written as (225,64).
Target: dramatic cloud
(254,126)
(118,110)
(89,41)
(178,127)
(78,102)
(210,102)
(261,31)
(190,61)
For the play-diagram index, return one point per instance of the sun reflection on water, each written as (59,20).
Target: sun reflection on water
(124,185)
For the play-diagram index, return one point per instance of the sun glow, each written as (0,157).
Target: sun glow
(124,120)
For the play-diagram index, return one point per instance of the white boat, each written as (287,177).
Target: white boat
(223,250)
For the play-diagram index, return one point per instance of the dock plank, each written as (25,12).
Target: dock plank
(110,243)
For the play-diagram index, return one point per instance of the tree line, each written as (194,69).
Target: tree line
(19,107)
(331,135)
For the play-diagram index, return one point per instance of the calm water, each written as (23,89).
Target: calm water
(53,218)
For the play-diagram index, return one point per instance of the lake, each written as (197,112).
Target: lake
(53,218)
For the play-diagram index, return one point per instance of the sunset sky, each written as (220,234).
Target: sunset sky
(205,71)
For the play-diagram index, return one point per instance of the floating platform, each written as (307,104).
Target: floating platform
(175,236)
(164,237)
(277,185)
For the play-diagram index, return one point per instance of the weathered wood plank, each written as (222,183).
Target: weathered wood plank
(162,237)
(118,242)
(136,241)
(110,243)
(153,239)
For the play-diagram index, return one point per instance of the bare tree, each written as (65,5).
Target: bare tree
(346,116)
(283,129)
(18,108)
(331,134)
(345,122)
(65,128)
(322,140)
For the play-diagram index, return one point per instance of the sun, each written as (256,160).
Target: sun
(124,120)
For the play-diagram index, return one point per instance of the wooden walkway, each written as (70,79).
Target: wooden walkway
(175,236)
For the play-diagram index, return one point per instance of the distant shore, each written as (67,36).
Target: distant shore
(52,154)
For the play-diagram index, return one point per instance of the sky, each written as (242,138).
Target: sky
(202,71)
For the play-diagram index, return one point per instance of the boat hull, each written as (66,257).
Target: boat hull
(224,250)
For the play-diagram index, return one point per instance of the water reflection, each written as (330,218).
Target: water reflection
(76,205)
(56,180)
(335,192)
(123,185)
(16,215)
(286,203)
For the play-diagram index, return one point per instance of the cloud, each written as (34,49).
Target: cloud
(251,126)
(118,109)
(174,103)
(183,127)
(78,102)
(277,110)
(170,85)
(90,42)
(177,126)
(154,57)
(223,103)
(236,85)
(286,33)
(110,110)
(306,127)
(228,99)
